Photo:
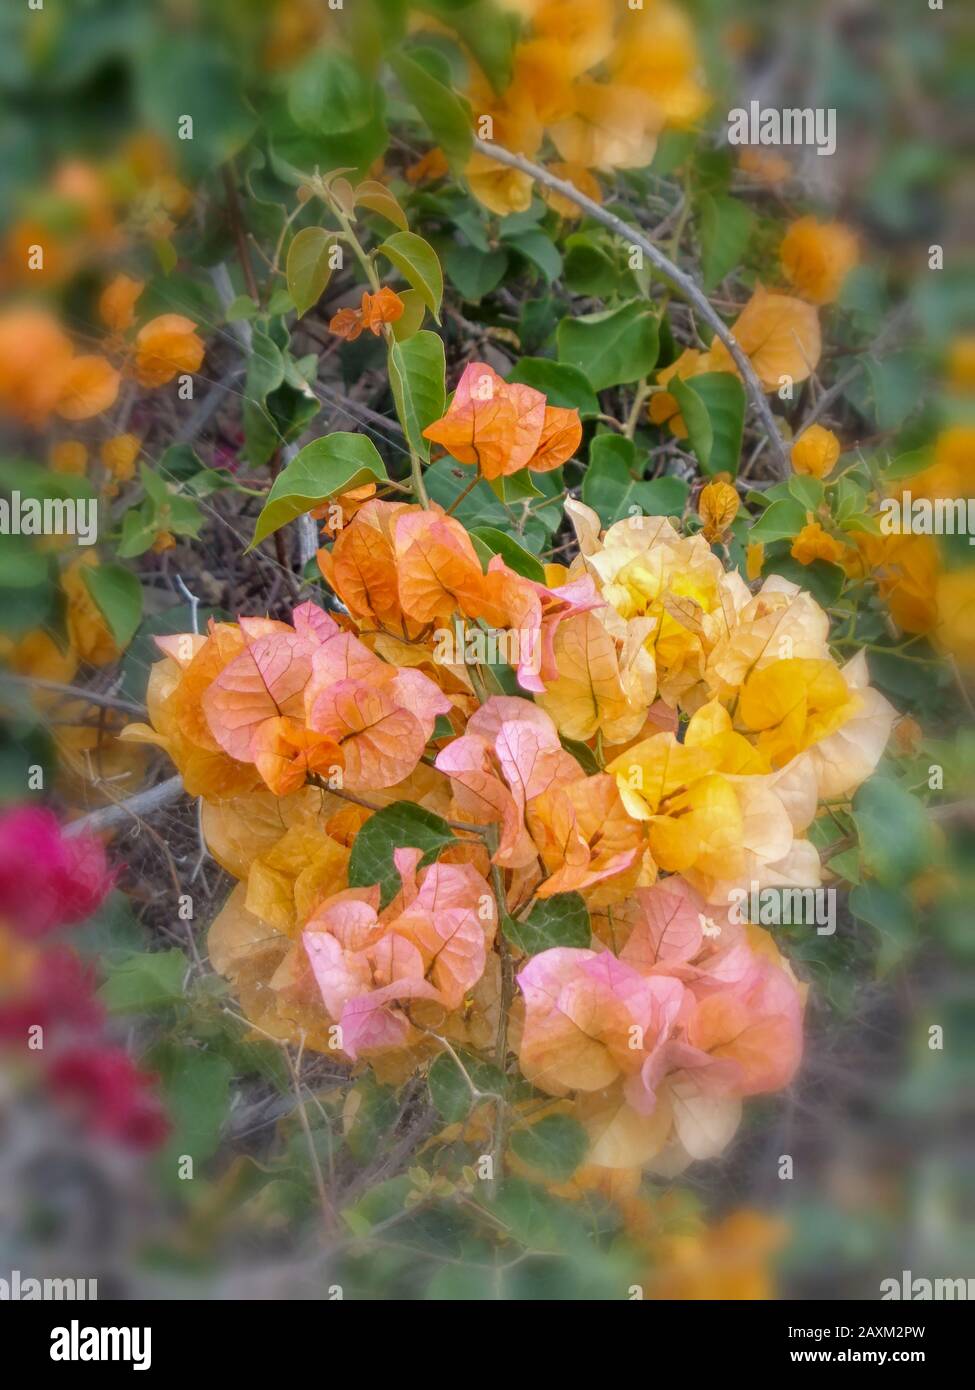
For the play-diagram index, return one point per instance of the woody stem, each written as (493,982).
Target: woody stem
(681,281)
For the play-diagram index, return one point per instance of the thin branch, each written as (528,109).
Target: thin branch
(681,281)
(141,805)
(76,692)
(237,228)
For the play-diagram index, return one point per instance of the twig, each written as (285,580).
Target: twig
(681,281)
(77,692)
(328,1210)
(237,227)
(142,804)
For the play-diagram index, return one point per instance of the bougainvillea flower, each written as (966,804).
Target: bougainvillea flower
(667,591)
(510,754)
(265,682)
(516,126)
(813,543)
(758,1026)
(815,452)
(361,568)
(717,506)
(312,698)
(661,1072)
(794,703)
(115,1098)
(503,427)
(778,334)
(590,1018)
(438,572)
(178,723)
(413,572)
(780,620)
(611,127)
(90,385)
(165,347)
(844,759)
(583,835)
(119,454)
(534,613)
(285,753)
(50,988)
(35,355)
(657,52)
(46,879)
(581,179)
(430,943)
(116,303)
(817,257)
(381,728)
(375,311)
(604,685)
(580,30)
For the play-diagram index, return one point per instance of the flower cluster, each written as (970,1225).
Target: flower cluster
(599,81)
(673,738)
(47,992)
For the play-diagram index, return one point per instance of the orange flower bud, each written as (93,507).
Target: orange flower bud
(90,386)
(119,454)
(815,451)
(813,543)
(166,346)
(717,507)
(116,304)
(817,257)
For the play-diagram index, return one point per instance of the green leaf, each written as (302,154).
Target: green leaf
(807,490)
(411,319)
(328,95)
(488,32)
(823,580)
(21,566)
(611,348)
(564,386)
(588,267)
(713,407)
(189,76)
(265,373)
(448,117)
(515,556)
(295,154)
(417,262)
(896,838)
(196,1093)
(394,827)
(144,981)
(321,470)
(475,273)
(118,594)
(892,914)
(449,1090)
(308,268)
(416,373)
(376,197)
(610,488)
(536,247)
(556,1145)
(781,521)
(726,228)
(562,920)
